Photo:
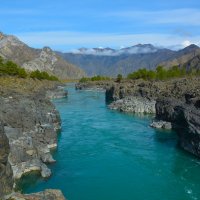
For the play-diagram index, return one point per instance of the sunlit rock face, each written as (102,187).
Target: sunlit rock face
(47,194)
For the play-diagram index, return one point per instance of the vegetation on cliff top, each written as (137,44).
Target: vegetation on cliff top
(10,68)
(94,78)
(43,75)
(162,74)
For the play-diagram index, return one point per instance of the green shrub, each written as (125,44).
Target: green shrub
(84,79)
(42,76)
(161,73)
(119,78)
(12,69)
(94,78)
(22,73)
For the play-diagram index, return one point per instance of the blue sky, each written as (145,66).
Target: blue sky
(69,24)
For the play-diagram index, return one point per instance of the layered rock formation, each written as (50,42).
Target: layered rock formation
(148,92)
(185,118)
(45,195)
(11,48)
(134,105)
(6,180)
(132,96)
(93,85)
(29,127)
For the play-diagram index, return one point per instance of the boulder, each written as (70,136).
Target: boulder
(161,125)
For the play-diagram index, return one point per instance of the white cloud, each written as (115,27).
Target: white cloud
(177,16)
(186,43)
(69,40)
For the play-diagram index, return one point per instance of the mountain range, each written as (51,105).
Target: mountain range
(137,49)
(96,61)
(110,62)
(11,48)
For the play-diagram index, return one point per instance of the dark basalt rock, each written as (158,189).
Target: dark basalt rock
(6,180)
(93,85)
(185,119)
(177,102)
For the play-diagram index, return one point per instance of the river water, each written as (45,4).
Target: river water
(107,155)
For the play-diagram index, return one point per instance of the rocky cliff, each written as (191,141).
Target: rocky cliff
(96,85)
(176,101)
(6,180)
(11,48)
(185,118)
(29,128)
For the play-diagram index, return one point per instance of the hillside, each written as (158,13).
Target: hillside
(11,48)
(182,56)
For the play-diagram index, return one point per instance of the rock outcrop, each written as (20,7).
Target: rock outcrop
(93,85)
(45,195)
(132,96)
(60,92)
(176,104)
(161,125)
(134,105)
(149,91)
(185,119)
(6,179)
(29,127)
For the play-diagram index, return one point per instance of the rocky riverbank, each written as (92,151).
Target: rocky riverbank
(185,118)
(175,103)
(44,195)
(150,91)
(93,85)
(29,125)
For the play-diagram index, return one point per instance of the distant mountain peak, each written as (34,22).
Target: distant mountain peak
(2,36)
(94,51)
(99,51)
(9,40)
(144,45)
(47,49)
(191,47)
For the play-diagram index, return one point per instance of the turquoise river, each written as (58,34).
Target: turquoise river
(108,155)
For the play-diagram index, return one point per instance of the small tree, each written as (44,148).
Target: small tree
(119,78)
(22,73)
